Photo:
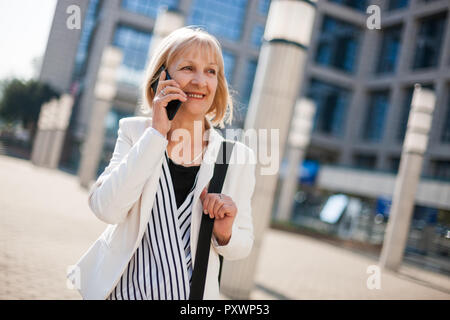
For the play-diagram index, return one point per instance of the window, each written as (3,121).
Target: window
(220,18)
(429,42)
(360,5)
(375,116)
(87,32)
(250,77)
(441,169)
(228,60)
(135,45)
(148,7)
(263,7)
(331,106)
(247,90)
(338,44)
(111,129)
(365,161)
(397,4)
(407,99)
(257,35)
(390,47)
(394,164)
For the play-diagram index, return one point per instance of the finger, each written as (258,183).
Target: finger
(162,76)
(170,82)
(173,96)
(205,204)
(210,206)
(217,205)
(172,89)
(223,210)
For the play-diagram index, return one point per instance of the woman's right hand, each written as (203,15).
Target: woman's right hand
(166,91)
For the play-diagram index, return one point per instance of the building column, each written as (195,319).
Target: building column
(104,91)
(299,137)
(275,90)
(408,176)
(43,139)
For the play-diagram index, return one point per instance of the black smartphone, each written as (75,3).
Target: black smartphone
(172,106)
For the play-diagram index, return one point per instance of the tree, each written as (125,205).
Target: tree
(22,101)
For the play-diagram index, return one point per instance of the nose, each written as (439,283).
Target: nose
(199,79)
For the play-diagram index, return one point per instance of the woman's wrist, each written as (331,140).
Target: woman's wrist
(162,132)
(223,240)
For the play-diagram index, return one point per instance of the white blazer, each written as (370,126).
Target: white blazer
(123,196)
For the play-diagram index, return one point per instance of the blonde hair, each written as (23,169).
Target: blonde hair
(168,50)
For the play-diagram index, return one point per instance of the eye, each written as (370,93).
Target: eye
(212,71)
(187,67)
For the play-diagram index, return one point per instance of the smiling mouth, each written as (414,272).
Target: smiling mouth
(195,96)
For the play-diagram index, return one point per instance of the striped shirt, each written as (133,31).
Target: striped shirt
(161,267)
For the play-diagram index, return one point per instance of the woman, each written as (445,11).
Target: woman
(154,190)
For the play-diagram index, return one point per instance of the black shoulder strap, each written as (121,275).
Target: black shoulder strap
(206,226)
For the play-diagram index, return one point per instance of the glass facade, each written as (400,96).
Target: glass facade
(445,136)
(257,35)
(429,42)
(250,77)
(360,5)
(338,45)
(246,92)
(87,31)
(148,7)
(228,60)
(397,4)
(375,116)
(220,18)
(441,169)
(390,47)
(364,161)
(406,106)
(134,44)
(111,129)
(331,103)
(263,7)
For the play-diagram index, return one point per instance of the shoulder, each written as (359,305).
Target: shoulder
(134,122)
(134,127)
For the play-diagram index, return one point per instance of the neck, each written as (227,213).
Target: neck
(186,138)
(182,126)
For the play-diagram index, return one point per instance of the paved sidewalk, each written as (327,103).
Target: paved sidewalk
(46,225)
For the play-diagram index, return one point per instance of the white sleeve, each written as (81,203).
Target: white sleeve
(121,183)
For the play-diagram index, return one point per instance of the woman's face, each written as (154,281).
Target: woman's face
(196,72)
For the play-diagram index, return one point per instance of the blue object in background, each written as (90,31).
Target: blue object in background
(309,171)
(383,206)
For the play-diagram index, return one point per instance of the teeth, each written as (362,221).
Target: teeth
(199,96)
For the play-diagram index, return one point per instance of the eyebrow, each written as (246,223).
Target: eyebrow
(190,61)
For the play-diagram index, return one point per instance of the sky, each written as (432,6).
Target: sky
(24,29)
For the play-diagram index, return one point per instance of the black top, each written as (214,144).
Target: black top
(183,179)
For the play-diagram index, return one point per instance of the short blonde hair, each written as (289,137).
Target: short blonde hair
(169,49)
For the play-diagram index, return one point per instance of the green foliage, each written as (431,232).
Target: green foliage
(22,101)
